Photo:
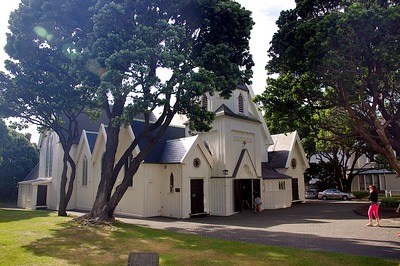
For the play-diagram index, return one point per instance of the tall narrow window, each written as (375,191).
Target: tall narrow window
(241,103)
(376,181)
(49,157)
(127,165)
(84,171)
(282,185)
(361,182)
(171,183)
(204,101)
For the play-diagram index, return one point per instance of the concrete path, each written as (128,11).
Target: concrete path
(331,226)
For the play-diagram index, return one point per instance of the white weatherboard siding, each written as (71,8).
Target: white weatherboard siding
(238,142)
(218,191)
(25,195)
(275,198)
(171,201)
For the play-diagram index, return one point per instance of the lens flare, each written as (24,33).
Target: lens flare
(94,67)
(43,33)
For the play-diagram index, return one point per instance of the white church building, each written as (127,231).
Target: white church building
(213,173)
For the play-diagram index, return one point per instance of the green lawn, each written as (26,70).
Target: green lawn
(42,238)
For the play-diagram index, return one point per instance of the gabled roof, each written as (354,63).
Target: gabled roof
(280,152)
(88,124)
(241,159)
(269,173)
(372,171)
(224,110)
(34,179)
(155,155)
(33,174)
(278,159)
(175,150)
(91,137)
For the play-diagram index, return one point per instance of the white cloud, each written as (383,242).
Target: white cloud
(265,13)
(5,10)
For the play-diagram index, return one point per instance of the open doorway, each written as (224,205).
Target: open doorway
(244,193)
(41,201)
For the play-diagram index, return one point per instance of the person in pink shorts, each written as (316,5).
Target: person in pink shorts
(374,205)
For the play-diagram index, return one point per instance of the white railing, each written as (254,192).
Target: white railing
(389,193)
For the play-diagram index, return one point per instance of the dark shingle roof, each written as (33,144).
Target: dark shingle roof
(175,150)
(88,124)
(279,152)
(33,174)
(228,112)
(278,159)
(173,132)
(269,173)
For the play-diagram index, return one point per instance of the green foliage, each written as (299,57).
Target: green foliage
(44,78)
(360,194)
(200,46)
(17,158)
(43,85)
(58,241)
(337,64)
(390,202)
(162,55)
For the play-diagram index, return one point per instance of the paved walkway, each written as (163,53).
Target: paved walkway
(330,226)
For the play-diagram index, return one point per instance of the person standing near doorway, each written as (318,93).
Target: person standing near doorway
(374,205)
(257,203)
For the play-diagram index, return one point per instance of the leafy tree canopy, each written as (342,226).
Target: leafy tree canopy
(43,84)
(17,158)
(343,56)
(161,56)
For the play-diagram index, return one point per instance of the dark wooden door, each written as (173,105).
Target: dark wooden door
(295,189)
(197,196)
(41,196)
(238,195)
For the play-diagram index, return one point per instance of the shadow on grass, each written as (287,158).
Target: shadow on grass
(12,215)
(81,245)
(111,246)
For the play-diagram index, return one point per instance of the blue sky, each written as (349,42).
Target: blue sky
(264,13)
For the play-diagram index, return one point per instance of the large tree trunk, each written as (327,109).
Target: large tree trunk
(62,206)
(101,211)
(65,195)
(106,201)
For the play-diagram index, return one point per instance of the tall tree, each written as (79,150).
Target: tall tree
(202,45)
(17,158)
(343,55)
(43,84)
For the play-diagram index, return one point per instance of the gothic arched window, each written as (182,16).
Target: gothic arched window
(171,183)
(241,103)
(204,101)
(49,157)
(85,171)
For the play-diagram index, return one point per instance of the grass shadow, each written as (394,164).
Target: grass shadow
(12,215)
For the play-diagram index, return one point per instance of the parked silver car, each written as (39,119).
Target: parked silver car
(311,194)
(334,193)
